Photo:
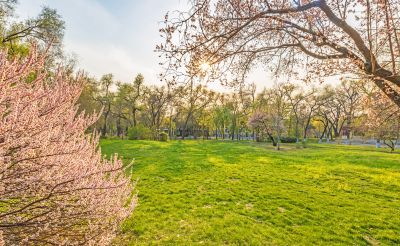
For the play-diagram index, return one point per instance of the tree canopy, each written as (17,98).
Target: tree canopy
(322,37)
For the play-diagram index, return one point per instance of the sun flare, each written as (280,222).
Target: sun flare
(205,66)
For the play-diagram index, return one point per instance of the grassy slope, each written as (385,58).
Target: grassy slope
(246,193)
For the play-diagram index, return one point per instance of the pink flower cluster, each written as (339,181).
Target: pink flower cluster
(55,187)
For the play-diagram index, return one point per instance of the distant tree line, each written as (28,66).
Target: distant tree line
(306,40)
(284,112)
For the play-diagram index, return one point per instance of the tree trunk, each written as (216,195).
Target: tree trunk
(272,139)
(323,133)
(134,117)
(305,129)
(119,128)
(104,130)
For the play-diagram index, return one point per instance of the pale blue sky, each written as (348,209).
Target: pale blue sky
(110,36)
(117,36)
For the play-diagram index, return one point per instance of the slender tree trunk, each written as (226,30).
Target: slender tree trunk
(119,128)
(323,133)
(307,126)
(134,117)
(170,126)
(104,130)
(278,147)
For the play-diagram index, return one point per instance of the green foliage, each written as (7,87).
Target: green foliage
(50,26)
(163,137)
(86,100)
(45,29)
(242,193)
(288,140)
(139,132)
(16,49)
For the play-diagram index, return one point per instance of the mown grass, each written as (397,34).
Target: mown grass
(213,193)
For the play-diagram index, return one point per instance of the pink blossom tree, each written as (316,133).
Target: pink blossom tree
(55,187)
(261,122)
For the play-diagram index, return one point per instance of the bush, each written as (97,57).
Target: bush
(163,137)
(55,187)
(139,133)
(288,140)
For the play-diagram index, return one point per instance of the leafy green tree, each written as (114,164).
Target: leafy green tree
(105,98)
(45,29)
(132,97)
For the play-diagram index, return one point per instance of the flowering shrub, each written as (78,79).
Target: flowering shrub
(55,187)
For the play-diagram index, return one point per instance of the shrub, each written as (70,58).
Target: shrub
(163,137)
(139,132)
(288,140)
(55,187)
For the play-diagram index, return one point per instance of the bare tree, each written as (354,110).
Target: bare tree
(324,37)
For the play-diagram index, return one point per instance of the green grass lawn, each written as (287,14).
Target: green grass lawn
(213,193)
